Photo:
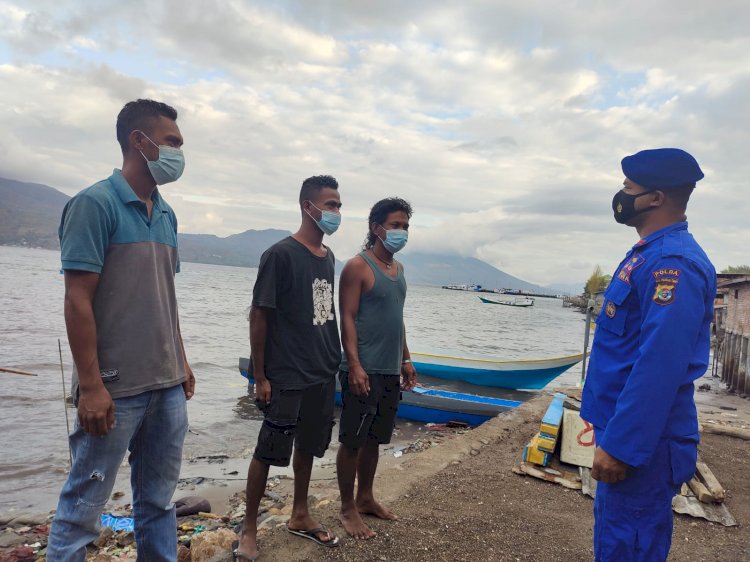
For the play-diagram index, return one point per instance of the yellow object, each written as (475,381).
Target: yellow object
(533,454)
(546,444)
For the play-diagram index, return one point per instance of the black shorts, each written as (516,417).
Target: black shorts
(302,418)
(371,417)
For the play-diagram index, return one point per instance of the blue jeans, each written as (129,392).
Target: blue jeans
(152,426)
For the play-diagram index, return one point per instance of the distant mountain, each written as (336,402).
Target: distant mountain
(30,214)
(241,250)
(436,269)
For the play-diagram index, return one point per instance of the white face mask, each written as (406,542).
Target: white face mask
(169,166)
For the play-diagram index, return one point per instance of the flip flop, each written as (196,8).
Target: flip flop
(238,555)
(312,534)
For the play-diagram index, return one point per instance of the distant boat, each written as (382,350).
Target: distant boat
(518,301)
(431,405)
(524,374)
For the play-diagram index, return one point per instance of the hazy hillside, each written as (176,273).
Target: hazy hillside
(242,250)
(30,214)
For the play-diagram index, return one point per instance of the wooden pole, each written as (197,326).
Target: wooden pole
(589,312)
(65,402)
(16,372)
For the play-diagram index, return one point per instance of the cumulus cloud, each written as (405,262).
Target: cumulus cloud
(502,122)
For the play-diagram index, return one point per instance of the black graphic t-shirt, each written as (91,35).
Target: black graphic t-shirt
(296,286)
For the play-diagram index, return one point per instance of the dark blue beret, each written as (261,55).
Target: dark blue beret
(661,168)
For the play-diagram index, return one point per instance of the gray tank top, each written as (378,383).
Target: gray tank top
(380,323)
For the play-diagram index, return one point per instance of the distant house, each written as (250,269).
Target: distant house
(732,330)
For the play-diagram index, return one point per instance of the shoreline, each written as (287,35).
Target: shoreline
(458,498)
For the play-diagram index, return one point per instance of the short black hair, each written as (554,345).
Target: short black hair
(316,183)
(679,195)
(380,212)
(138,115)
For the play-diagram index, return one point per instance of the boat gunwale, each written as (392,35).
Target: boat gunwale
(579,357)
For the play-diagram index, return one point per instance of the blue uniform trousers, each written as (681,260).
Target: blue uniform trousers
(633,518)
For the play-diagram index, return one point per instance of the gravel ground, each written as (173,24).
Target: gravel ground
(459,505)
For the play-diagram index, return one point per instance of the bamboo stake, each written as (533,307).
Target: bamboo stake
(65,404)
(16,372)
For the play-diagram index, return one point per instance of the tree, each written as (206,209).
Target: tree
(597,282)
(737,269)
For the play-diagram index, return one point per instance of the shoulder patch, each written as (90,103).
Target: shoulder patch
(611,309)
(627,268)
(666,281)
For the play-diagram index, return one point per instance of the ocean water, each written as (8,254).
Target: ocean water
(213,301)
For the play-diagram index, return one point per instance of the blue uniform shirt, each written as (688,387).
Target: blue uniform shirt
(652,341)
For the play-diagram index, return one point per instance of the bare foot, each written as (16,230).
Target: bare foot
(353,524)
(371,507)
(307,523)
(248,547)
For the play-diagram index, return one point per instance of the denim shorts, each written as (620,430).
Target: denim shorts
(370,417)
(301,418)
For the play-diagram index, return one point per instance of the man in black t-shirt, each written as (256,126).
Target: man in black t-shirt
(296,352)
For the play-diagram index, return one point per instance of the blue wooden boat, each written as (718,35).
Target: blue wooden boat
(525,374)
(431,405)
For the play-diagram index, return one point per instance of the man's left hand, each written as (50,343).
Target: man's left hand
(607,468)
(408,376)
(189,385)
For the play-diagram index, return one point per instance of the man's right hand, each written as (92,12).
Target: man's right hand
(359,382)
(96,412)
(262,390)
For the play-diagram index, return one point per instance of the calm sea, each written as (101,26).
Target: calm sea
(212,300)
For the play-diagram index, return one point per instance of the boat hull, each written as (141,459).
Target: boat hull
(430,405)
(530,375)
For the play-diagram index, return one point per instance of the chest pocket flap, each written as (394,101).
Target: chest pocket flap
(614,311)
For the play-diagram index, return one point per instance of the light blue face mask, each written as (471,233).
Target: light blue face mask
(169,166)
(395,239)
(329,221)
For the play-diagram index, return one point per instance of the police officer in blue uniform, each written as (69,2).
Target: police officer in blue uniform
(652,342)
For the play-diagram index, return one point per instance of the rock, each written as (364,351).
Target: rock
(102,557)
(474,452)
(10,538)
(23,554)
(323,503)
(274,496)
(183,554)
(274,511)
(476,446)
(192,505)
(212,546)
(286,510)
(124,539)
(485,441)
(273,522)
(32,519)
(104,536)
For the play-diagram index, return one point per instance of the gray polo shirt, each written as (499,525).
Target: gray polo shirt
(105,229)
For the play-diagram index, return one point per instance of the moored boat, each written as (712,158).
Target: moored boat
(431,405)
(523,374)
(518,301)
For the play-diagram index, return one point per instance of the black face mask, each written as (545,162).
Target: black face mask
(623,204)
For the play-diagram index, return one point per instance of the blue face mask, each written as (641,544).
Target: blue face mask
(169,166)
(329,221)
(395,240)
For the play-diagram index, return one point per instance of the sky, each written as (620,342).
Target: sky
(502,122)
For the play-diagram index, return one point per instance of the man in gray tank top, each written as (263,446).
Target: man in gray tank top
(372,291)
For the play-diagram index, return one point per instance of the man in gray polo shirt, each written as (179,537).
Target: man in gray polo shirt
(118,243)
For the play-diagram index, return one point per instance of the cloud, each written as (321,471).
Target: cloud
(503,123)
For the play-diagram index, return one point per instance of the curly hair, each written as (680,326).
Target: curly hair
(379,213)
